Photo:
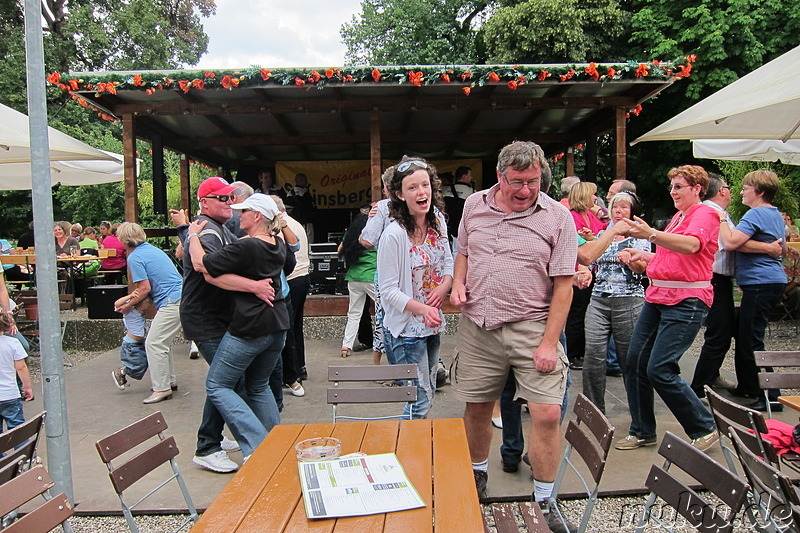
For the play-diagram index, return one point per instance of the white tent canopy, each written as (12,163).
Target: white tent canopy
(748,150)
(15,142)
(764,104)
(17,176)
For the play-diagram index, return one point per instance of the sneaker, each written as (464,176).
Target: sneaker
(297,389)
(194,351)
(631,442)
(119,378)
(722,383)
(481,479)
(576,364)
(216,462)
(229,445)
(706,442)
(557,526)
(441,376)
(511,466)
(498,422)
(614,372)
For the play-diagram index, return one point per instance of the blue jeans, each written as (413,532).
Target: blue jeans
(134,357)
(11,413)
(420,351)
(661,336)
(757,301)
(209,434)
(253,359)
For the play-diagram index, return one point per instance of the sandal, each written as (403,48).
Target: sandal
(345,352)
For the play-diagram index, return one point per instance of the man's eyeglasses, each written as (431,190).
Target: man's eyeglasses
(518,184)
(405,165)
(222,197)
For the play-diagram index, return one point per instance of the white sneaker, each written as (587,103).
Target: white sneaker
(229,445)
(216,462)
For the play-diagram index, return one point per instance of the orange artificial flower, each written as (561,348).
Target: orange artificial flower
(149,90)
(611,72)
(73,84)
(376,75)
(656,62)
(691,58)
(466,90)
(198,84)
(415,78)
(54,78)
(138,81)
(226,82)
(315,77)
(299,82)
(494,78)
(466,75)
(568,76)
(266,74)
(641,71)
(348,78)
(512,85)
(445,77)
(543,75)
(209,74)
(82,102)
(637,110)
(184,85)
(329,73)
(591,70)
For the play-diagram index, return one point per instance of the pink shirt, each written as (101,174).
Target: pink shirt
(594,223)
(512,258)
(700,221)
(118,261)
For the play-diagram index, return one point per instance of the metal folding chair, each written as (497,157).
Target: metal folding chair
(373,394)
(789,378)
(18,445)
(21,490)
(131,470)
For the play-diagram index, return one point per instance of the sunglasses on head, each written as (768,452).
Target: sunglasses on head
(222,197)
(405,165)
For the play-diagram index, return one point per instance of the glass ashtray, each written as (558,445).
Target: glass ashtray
(318,449)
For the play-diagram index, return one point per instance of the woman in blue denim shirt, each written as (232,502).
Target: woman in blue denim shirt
(415,272)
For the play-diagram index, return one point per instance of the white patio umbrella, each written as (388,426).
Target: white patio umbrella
(764,104)
(15,141)
(17,176)
(748,150)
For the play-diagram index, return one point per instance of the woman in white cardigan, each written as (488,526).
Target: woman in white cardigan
(415,272)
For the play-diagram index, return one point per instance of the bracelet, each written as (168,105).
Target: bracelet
(652,237)
(192,235)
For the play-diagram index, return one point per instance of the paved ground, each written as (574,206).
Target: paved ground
(97,408)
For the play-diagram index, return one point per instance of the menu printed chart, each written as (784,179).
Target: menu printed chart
(356,485)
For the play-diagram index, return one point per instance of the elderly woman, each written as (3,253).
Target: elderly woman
(64,241)
(617,297)
(760,276)
(676,303)
(153,273)
(252,346)
(415,272)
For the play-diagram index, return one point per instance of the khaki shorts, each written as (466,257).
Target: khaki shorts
(484,357)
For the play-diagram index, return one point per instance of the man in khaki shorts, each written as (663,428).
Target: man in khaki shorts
(517,249)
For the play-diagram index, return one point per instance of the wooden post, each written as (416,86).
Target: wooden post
(186,192)
(620,141)
(590,172)
(129,169)
(375,154)
(569,162)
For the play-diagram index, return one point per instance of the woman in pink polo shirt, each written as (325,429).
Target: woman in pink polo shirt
(676,303)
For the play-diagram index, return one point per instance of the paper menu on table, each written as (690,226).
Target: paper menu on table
(354,486)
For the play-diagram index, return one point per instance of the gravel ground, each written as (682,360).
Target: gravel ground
(612,514)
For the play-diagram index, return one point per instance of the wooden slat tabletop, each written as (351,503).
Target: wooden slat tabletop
(265,494)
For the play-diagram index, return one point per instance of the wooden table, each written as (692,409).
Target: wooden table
(265,494)
(794,244)
(790,401)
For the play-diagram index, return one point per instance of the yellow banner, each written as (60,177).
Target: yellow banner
(346,184)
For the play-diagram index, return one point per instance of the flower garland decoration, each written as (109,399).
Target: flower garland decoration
(462,78)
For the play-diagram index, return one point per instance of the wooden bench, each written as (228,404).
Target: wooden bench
(507,517)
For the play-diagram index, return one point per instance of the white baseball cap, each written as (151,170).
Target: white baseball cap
(261,203)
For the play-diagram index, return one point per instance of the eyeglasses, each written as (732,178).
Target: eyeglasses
(747,188)
(519,184)
(405,165)
(677,187)
(726,187)
(222,197)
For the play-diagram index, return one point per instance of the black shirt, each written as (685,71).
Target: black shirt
(254,259)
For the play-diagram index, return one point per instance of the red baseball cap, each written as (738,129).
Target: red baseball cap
(215,186)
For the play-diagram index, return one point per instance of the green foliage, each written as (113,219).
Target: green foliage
(786,197)
(412,32)
(556,31)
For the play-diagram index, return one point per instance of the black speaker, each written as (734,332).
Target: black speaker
(159,179)
(100,300)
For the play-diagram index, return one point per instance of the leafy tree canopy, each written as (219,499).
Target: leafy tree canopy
(409,32)
(556,31)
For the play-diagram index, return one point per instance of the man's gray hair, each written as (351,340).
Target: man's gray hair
(567,184)
(522,155)
(244,191)
(278,202)
(625,186)
(715,184)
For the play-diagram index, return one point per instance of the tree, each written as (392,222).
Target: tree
(556,31)
(410,32)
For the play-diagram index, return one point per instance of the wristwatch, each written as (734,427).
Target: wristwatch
(652,236)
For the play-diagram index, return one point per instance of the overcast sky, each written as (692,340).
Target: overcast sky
(277,33)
